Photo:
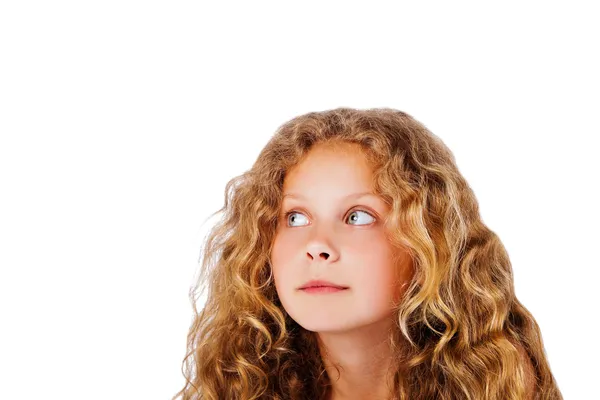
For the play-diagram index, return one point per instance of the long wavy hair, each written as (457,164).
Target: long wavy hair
(464,333)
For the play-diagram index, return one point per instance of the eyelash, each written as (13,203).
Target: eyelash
(287,215)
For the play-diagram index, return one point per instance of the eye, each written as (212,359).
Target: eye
(292,215)
(354,216)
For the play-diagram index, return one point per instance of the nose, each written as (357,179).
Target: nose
(324,255)
(320,251)
(320,248)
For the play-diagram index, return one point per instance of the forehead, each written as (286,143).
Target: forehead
(337,168)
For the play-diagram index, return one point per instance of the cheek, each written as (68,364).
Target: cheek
(379,274)
(370,249)
(279,247)
(285,276)
(281,254)
(378,279)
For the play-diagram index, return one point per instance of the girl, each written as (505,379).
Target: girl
(352,263)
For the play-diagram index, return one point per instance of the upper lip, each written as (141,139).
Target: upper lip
(321,283)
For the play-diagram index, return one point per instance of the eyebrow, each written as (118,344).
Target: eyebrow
(350,196)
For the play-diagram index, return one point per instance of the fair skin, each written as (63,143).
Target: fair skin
(336,233)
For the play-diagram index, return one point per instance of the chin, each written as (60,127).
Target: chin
(324,323)
(326,327)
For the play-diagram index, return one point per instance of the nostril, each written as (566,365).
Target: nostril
(322,255)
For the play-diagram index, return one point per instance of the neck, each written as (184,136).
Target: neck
(363,357)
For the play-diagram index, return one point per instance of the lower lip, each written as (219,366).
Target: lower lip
(322,289)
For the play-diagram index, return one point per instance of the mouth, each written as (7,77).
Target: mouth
(323,289)
(321,283)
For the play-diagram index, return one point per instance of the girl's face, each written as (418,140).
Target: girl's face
(334,232)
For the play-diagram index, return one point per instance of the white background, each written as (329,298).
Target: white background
(122,121)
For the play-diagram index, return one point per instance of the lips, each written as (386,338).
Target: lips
(323,284)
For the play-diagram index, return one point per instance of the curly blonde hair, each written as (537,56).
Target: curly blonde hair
(467,335)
